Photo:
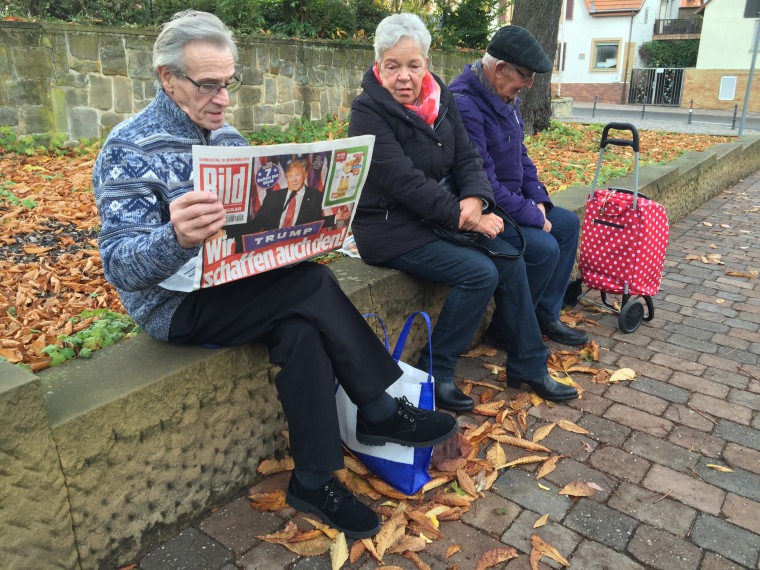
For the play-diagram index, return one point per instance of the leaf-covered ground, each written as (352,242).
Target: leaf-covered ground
(496,437)
(50,270)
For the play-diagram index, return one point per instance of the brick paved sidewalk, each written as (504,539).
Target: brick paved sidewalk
(696,402)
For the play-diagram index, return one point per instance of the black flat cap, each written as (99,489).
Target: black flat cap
(517,45)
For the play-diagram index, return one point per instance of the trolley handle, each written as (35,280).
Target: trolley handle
(620,142)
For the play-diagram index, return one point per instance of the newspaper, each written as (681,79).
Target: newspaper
(284,204)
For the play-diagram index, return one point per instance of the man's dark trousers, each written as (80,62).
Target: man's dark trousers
(314,333)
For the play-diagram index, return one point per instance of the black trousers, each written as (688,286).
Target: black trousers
(314,333)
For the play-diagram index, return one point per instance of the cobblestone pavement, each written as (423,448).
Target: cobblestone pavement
(696,402)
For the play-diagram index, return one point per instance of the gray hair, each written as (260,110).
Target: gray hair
(404,25)
(185,27)
(489,61)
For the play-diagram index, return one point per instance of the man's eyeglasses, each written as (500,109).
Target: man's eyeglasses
(214,88)
(526,77)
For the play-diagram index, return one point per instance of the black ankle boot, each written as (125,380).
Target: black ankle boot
(547,388)
(449,397)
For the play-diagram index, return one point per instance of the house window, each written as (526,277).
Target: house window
(606,55)
(727,88)
(569,9)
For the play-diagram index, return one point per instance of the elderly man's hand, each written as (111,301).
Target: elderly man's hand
(196,216)
(547,223)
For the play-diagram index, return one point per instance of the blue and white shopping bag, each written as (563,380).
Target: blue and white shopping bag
(405,468)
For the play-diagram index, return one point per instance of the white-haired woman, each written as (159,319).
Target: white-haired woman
(420,141)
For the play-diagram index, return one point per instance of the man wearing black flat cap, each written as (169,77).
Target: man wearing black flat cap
(486,95)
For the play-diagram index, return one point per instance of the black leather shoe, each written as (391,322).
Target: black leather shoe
(547,388)
(408,426)
(563,334)
(449,397)
(335,505)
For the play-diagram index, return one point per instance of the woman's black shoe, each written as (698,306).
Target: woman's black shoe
(547,388)
(449,397)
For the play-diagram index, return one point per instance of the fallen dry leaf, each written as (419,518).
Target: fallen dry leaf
(548,466)
(622,374)
(570,426)
(525,460)
(452,454)
(270,466)
(749,275)
(466,483)
(416,560)
(541,548)
(313,547)
(542,432)
(391,531)
(481,350)
(577,489)
(496,456)
(357,549)
(322,527)
(452,550)
(541,521)
(489,409)
(272,501)
(523,443)
(496,556)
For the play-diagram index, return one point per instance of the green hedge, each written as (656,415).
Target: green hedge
(464,25)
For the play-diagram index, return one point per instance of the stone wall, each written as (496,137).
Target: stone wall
(83,80)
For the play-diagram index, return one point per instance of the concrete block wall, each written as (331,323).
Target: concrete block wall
(108,456)
(83,80)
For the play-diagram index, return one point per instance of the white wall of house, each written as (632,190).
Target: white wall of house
(727,37)
(582,36)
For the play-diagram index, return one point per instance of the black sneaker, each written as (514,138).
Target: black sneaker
(408,426)
(336,506)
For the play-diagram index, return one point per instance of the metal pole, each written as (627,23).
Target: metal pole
(691,109)
(644,107)
(733,123)
(749,81)
(593,110)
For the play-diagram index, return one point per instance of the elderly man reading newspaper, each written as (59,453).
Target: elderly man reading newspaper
(153,222)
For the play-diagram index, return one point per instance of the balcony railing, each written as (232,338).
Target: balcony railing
(675,26)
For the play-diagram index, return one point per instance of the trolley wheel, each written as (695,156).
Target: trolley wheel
(630,317)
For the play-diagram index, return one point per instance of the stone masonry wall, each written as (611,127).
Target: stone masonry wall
(83,80)
(35,520)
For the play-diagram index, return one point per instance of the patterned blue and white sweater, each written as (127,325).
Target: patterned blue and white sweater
(146,162)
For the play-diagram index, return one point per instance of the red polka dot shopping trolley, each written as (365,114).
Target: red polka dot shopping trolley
(623,242)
